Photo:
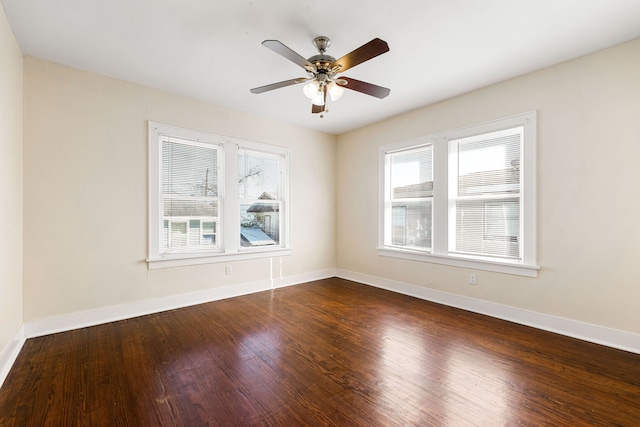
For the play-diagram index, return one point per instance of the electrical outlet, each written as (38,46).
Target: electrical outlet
(473,279)
(227,269)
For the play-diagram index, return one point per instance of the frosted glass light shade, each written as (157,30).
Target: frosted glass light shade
(310,90)
(335,91)
(318,99)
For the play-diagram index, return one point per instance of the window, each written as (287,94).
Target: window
(484,177)
(410,198)
(189,193)
(465,197)
(259,198)
(214,198)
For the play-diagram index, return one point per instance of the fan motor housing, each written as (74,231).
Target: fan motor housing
(322,61)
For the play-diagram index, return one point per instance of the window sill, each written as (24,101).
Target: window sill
(476,264)
(180,260)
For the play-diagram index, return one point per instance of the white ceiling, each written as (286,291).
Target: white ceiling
(211,49)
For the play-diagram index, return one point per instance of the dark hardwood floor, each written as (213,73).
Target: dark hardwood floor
(331,352)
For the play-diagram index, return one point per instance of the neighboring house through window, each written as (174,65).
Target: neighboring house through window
(465,197)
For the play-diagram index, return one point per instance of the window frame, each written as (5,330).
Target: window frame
(227,231)
(440,253)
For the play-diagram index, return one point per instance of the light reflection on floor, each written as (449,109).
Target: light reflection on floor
(468,379)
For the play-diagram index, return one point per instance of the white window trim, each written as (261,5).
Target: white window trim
(439,253)
(229,232)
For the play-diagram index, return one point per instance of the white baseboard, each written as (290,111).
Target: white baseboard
(10,353)
(622,340)
(99,316)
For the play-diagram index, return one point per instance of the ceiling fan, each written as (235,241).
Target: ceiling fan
(322,71)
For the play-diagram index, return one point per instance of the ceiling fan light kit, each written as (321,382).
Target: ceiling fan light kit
(322,72)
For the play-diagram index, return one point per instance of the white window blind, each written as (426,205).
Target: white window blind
(409,198)
(189,195)
(485,189)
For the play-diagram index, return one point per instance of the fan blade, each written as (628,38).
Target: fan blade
(285,51)
(366,88)
(364,53)
(278,85)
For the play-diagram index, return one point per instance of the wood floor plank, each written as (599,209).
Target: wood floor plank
(331,352)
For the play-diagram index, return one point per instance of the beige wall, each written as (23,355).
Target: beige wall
(85,192)
(588,182)
(10,184)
